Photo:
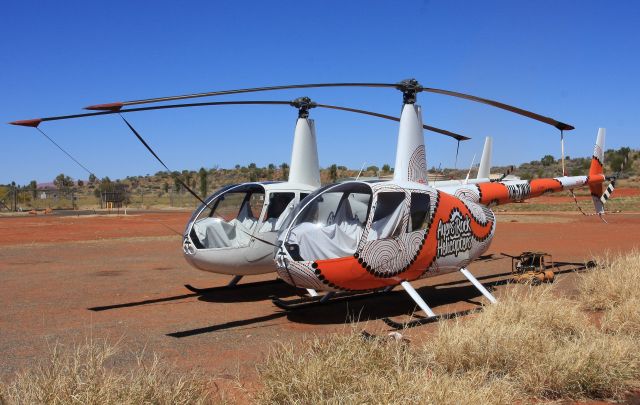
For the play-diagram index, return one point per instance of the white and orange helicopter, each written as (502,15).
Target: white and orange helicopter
(234,230)
(357,237)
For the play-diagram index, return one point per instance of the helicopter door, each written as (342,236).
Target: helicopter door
(396,232)
(264,237)
(389,219)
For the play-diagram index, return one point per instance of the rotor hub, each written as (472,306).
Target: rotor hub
(409,88)
(303,104)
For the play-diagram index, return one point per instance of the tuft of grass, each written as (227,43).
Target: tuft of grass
(349,369)
(623,318)
(613,282)
(532,344)
(543,344)
(84,375)
(614,287)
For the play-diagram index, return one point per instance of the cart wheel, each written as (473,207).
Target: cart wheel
(537,279)
(549,276)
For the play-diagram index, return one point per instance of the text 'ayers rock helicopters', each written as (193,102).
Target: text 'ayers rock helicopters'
(234,230)
(359,236)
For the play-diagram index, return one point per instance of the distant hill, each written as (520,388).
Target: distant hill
(163,184)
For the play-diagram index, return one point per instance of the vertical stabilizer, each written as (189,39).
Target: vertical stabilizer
(305,168)
(485,160)
(596,171)
(411,162)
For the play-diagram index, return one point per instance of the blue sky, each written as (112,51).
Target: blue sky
(577,61)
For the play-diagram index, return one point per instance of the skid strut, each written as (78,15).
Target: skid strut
(417,298)
(479,286)
(431,316)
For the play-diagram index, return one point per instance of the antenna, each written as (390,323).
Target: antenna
(562,151)
(466,180)
(361,169)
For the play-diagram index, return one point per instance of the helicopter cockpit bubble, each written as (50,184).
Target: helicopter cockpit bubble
(328,223)
(229,217)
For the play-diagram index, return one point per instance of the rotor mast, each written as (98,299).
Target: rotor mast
(305,167)
(411,162)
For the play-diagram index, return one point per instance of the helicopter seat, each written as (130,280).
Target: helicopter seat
(273,224)
(337,239)
(218,233)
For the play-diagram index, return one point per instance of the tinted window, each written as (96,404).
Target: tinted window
(419,210)
(388,216)
(277,204)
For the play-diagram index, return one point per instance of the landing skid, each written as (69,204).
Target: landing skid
(231,286)
(425,321)
(328,298)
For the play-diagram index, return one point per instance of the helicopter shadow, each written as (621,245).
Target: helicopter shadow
(365,309)
(250,292)
(393,304)
(383,306)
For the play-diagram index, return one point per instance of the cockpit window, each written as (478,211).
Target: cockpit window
(420,207)
(278,203)
(229,219)
(279,208)
(238,205)
(388,216)
(330,223)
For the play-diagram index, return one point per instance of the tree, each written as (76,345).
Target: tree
(374,169)
(92,178)
(166,187)
(33,185)
(547,160)
(271,168)
(333,172)
(80,183)
(104,185)
(176,183)
(203,182)
(63,182)
(285,171)
(386,168)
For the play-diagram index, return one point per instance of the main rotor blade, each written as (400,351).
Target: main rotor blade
(547,120)
(389,117)
(406,86)
(118,105)
(35,122)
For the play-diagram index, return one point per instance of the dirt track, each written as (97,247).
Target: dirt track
(68,278)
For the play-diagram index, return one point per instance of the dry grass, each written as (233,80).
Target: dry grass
(623,318)
(347,369)
(543,345)
(614,286)
(532,345)
(85,375)
(614,282)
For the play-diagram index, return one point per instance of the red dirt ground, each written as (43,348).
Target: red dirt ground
(54,270)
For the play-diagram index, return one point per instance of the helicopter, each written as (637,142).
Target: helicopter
(357,236)
(233,231)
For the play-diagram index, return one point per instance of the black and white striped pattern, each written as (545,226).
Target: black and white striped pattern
(607,193)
